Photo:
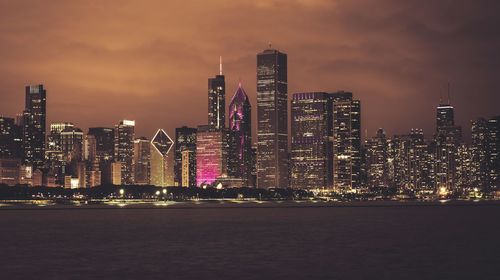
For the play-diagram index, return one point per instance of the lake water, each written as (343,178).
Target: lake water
(280,241)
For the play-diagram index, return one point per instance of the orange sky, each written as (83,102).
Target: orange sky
(102,61)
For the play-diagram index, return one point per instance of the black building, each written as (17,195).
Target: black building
(240,137)
(185,140)
(34,125)
(272,119)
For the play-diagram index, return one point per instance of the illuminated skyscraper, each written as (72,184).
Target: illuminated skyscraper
(211,154)
(104,151)
(311,151)
(160,146)
(10,139)
(56,158)
(34,126)
(446,141)
(485,153)
(240,137)
(72,144)
(217,100)
(141,162)
(124,150)
(272,119)
(185,140)
(413,162)
(376,159)
(346,141)
(188,160)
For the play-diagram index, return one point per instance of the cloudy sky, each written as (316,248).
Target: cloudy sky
(102,61)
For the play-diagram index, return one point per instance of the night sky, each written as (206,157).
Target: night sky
(102,61)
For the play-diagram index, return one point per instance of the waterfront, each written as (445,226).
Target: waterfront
(252,241)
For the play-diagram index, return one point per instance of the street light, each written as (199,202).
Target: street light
(122,191)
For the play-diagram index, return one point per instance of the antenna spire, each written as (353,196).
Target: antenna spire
(449,93)
(220,65)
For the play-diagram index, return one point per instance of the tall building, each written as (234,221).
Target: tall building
(217,100)
(72,144)
(34,125)
(240,137)
(185,140)
(141,162)
(188,166)
(376,159)
(346,141)
(413,161)
(160,146)
(211,154)
(103,138)
(55,157)
(272,119)
(446,141)
(124,150)
(311,151)
(485,153)
(10,139)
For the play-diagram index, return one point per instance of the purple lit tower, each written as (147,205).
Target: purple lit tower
(240,137)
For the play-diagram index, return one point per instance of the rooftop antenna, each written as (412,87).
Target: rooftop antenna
(449,93)
(239,82)
(220,65)
(270,45)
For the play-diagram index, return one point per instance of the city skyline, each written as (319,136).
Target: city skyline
(145,69)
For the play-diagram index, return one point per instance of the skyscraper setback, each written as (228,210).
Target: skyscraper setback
(34,125)
(272,119)
(217,100)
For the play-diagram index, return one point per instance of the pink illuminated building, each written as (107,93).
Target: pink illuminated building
(210,154)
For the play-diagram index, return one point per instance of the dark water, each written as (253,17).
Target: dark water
(414,242)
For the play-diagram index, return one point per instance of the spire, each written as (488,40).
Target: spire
(220,65)
(239,82)
(449,93)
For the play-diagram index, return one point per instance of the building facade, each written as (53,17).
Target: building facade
(34,125)
(211,154)
(272,119)
(161,144)
(141,161)
(240,137)
(124,149)
(311,146)
(185,140)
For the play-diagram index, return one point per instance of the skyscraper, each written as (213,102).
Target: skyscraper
(188,166)
(141,162)
(217,100)
(104,151)
(311,151)
(185,140)
(376,159)
(160,146)
(72,144)
(485,153)
(34,125)
(446,141)
(240,137)
(211,154)
(346,141)
(10,139)
(124,149)
(56,159)
(272,119)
